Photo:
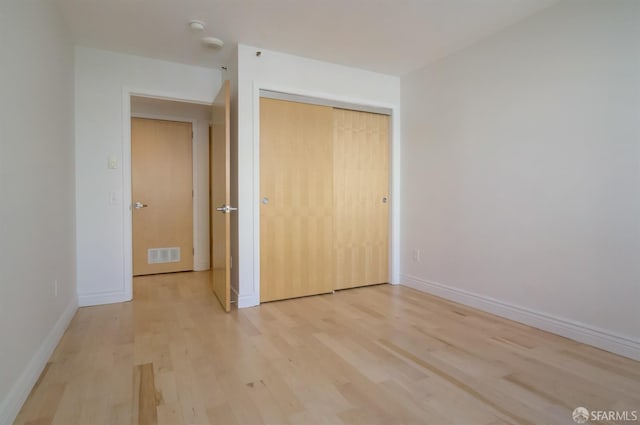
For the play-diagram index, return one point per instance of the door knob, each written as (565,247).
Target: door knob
(226,209)
(139,205)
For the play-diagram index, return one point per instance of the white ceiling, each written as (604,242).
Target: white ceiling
(387,36)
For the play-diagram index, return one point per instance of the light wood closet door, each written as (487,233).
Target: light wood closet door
(296,187)
(361,204)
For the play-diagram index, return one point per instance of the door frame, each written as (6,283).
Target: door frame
(195,200)
(394,174)
(127,213)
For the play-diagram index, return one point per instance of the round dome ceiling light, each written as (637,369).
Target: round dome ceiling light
(196,25)
(212,42)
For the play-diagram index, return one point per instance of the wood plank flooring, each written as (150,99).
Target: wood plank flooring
(374,355)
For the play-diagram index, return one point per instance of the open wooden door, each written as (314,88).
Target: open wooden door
(221,196)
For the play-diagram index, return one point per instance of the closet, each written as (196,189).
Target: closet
(324,213)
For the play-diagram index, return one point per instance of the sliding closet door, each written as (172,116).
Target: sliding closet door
(296,188)
(361,203)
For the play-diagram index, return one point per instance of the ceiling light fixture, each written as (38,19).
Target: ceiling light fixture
(214,43)
(195,25)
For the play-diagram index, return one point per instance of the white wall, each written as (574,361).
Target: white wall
(521,173)
(200,116)
(293,74)
(102,130)
(36,183)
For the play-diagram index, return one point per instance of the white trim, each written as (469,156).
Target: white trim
(581,332)
(127,227)
(200,262)
(248,301)
(18,393)
(253,298)
(100,298)
(268,94)
(200,266)
(164,117)
(163,95)
(394,196)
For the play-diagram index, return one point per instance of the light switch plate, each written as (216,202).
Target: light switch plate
(112,162)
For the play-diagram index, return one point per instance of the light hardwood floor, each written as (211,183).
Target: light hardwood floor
(374,355)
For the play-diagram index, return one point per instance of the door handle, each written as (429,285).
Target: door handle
(226,209)
(139,205)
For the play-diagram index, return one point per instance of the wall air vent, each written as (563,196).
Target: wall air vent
(163,255)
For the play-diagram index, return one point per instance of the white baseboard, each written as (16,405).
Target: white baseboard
(246,301)
(600,338)
(11,405)
(86,300)
(201,267)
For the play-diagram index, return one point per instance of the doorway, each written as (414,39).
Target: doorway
(169,186)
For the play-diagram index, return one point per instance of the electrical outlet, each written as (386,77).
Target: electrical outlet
(416,255)
(55,288)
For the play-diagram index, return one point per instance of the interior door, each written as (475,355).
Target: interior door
(221,196)
(296,213)
(361,198)
(161,188)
